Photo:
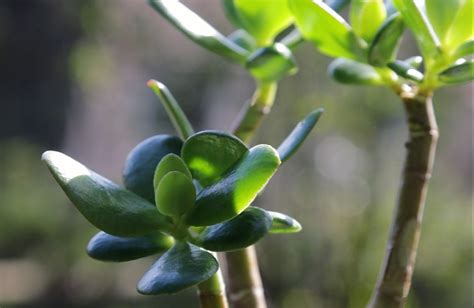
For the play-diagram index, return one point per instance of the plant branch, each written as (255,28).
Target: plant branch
(212,292)
(395,277)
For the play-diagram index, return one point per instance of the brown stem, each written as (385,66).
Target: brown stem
(245,283)
(395,277)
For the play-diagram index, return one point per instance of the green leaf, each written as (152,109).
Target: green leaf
(198,30)
(405,70)
(263,19)
(465,50)
(296,138)
(441,14)
(174,111)
(106,205)
(458,73)
(462,29)
(141,163)
(175,194)
(243,39)
(325,28)
(337,5)
(209,154)
(352,72)
(366,16)
(414,62)
(385,45)
(106,247)
(237,189)
(170,162)
(271,63)
(239,232)
(419,25)
(183,266)
(282,223)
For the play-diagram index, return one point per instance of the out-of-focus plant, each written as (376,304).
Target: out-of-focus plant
(183,197)
(366,54)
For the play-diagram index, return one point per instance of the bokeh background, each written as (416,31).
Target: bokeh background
(73,78)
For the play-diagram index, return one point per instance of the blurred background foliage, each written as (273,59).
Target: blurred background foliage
(73,77)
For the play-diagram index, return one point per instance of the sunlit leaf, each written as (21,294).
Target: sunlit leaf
(462,28)
(459,73)
(106,247)
(282,223)
(271,63)
(405,70)
(170,162)
(352,72)
(465,50)
(197,29)
(325,28)
(366,16)
(239,232)
(175,194)
(296,138)
(209,154)
(107,206)
(174,111)
(181,267)
(141,163)
(441,14)
(237,189)
(385,45)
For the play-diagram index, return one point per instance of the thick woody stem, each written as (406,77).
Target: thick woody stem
(395,277)
(212,292)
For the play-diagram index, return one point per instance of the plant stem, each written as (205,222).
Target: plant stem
(245,283)
(395,277)
(212,292)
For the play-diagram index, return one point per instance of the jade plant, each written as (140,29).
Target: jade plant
(366,52)
(184,198)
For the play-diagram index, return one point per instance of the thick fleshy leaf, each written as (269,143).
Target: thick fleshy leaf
(385,45)
(465,50)
(441,14)
(458,73)
(170,162)
(366,16)
(237,189)
(271,63)
(325,28)
(296,138)
(419,25)
(352,72)
(415,61)
(282,223)
(175,194)
(239,232)
(461,29)
(197,29)
(174,111)
(337,5)
(141,163)
(106,205)
(106,247)
(263,19)
(243,39)
(209,154)
(405,70)
(183,266)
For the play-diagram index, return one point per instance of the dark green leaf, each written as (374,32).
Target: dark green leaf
(322,26)
(237,189)
(465,50)
(352,72)
(239,232)
(385,45)
(243,39)
(366,17)
(141,163)
(106,247)
(175,194)
(458,73)
(174,111)
(271,63)
(209,154)
(197,29)
(106,205)
(296,138)
(170,162)
(414,62)
(282,223)
(181,267)
(337,5)
(405,70)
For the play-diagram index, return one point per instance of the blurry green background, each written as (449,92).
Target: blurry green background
(72,78)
